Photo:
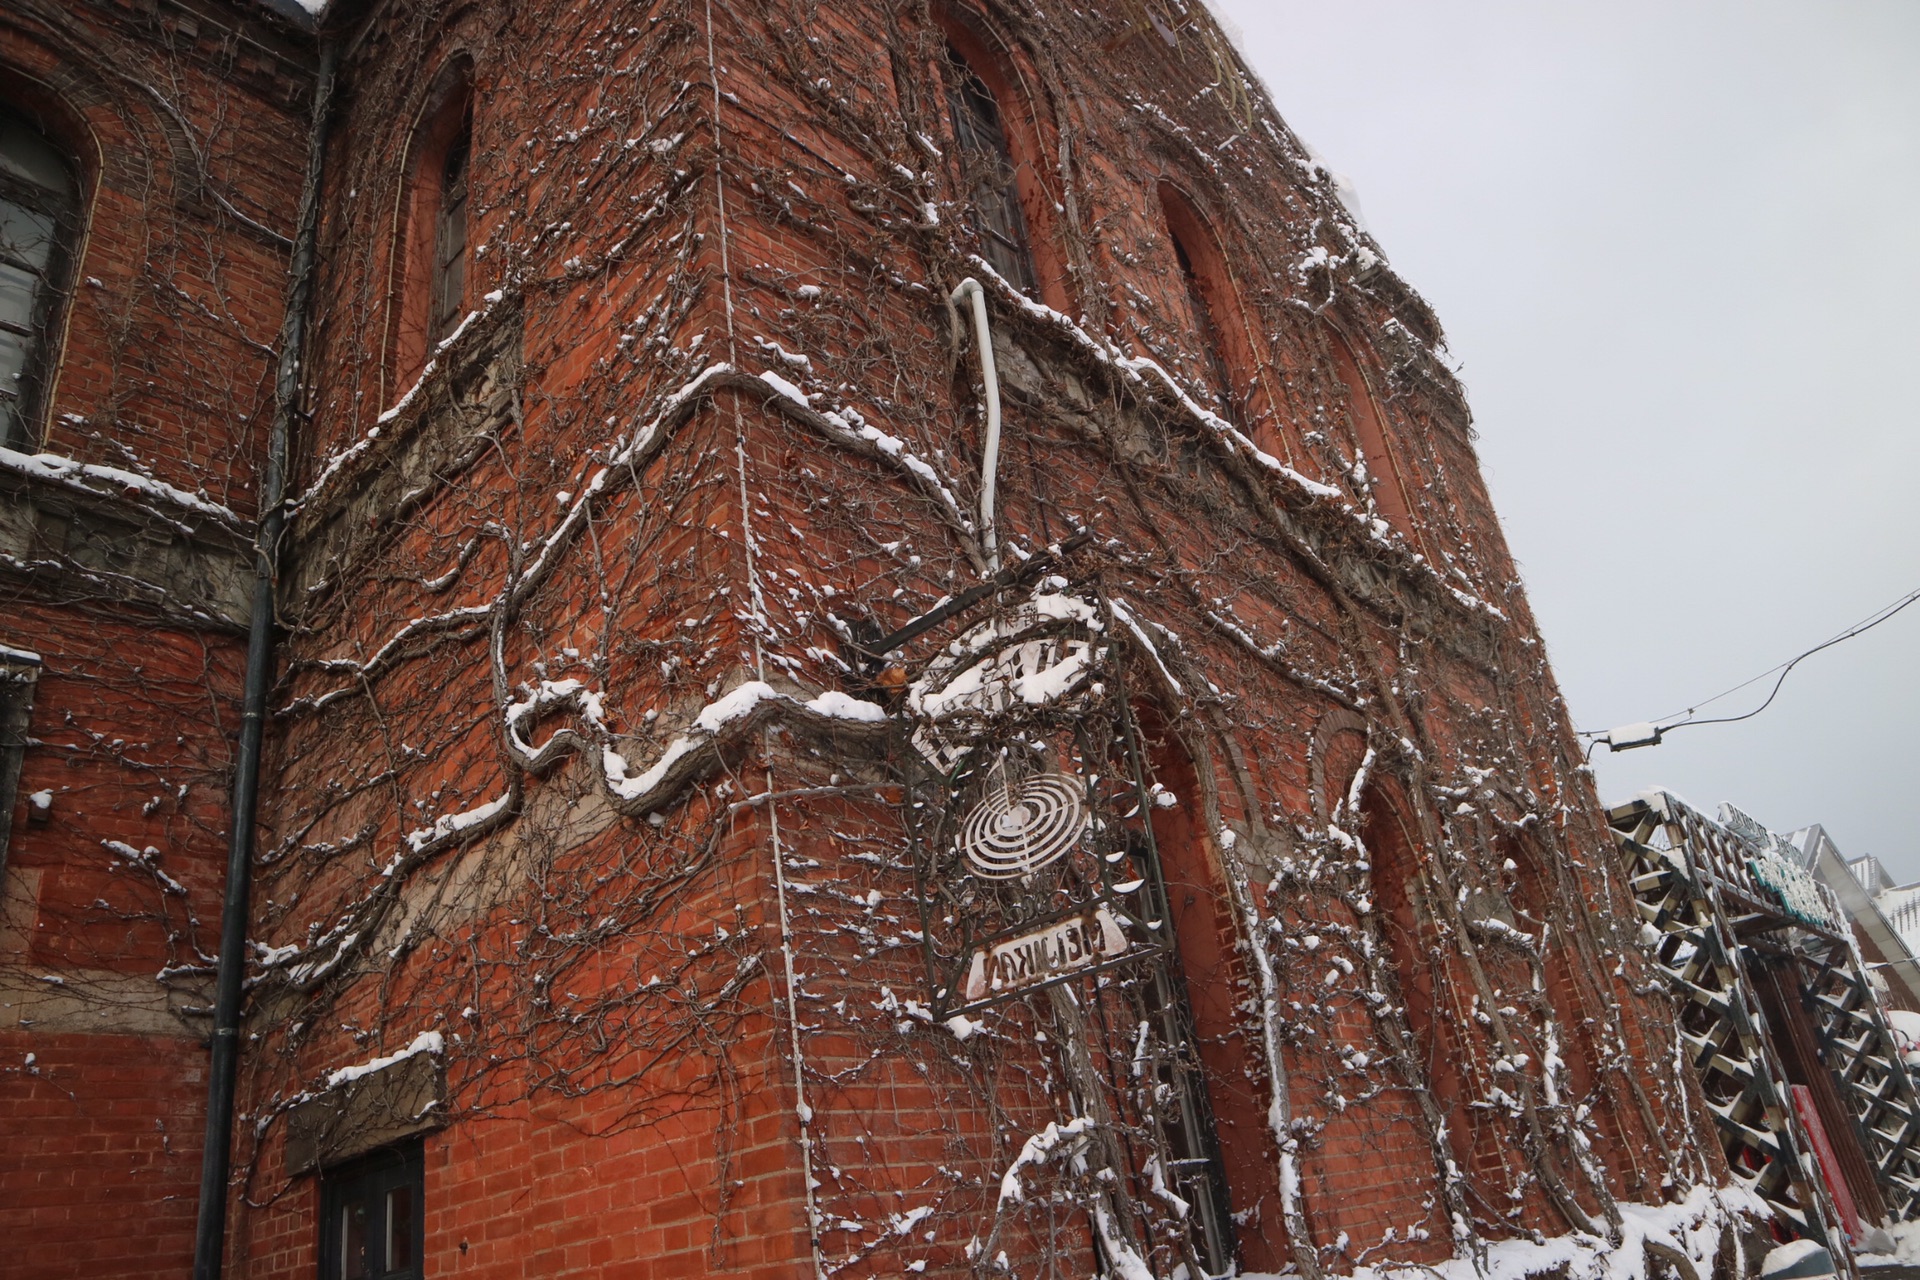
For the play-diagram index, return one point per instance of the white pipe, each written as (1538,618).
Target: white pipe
(990,459)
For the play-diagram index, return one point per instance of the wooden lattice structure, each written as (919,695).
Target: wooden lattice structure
(1858,1048)
(1728,921)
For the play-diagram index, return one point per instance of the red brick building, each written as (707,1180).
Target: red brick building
(751,784)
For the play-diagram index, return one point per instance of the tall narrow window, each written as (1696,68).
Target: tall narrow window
(1185,1112)
(1383,473)
(987,166)
(433,247)
(19,671)
(1230,352)
(1212,353)
(39,208)
(450,236)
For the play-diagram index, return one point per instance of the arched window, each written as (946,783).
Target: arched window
(987,166)
(450,236)
(39,221)
(1213,1109)
(434,245)
(1217,372)
(1228,356)
(1369,431)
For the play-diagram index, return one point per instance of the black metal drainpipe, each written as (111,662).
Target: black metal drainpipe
(209,1243)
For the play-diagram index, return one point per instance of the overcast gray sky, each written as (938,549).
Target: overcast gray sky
(1676,248)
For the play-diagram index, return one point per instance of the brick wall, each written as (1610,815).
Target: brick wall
(577,763)
(187,125)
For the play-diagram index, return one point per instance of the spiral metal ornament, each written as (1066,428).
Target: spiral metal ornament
(1020,827)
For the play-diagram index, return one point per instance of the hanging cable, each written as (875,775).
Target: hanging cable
(1650,733)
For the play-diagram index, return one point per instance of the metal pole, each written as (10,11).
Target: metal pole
(209,1244)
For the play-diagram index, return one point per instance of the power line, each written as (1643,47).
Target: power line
(1650,733)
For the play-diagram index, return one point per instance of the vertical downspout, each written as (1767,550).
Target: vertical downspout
(209,1243)
(990,455)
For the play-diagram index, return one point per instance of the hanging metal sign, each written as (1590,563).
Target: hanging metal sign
(1039,956)
(1026,811)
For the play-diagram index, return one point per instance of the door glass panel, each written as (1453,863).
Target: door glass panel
(353,1241)
(399,1228)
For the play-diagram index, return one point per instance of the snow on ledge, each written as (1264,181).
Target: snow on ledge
(426,1042)
(94,478)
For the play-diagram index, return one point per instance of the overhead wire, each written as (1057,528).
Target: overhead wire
(1684,719)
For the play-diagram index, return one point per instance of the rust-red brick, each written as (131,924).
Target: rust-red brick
(517,579)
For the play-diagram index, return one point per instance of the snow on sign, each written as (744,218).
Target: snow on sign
(1041,955)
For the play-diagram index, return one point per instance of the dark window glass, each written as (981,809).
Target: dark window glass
(986,162)
(1218,375)
(18,674)
(399,1241)
(39,205)
(1371,435)
(450,239)
(1186,1112)
(370,1218)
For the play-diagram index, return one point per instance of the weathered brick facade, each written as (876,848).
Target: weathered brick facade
(593,813)
(129,580)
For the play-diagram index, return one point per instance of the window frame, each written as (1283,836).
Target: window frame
(1369,427)
(373,1178)
(445,120)
(19,677)
(1238,357)
(447,271)
(990,173)
(1008,83)
(53,291)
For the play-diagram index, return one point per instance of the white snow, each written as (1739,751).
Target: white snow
(91,477)
(1906,1246)
(843,706)
(1142,369)
(1035,1151)
(1906,1033)
(786,388)
(333,465)
(1692,1227)
(148,859)
(456,822)
(855,427)
(1644,734)
(714,717)
(425,1042)
(548,694)
(1789,1255)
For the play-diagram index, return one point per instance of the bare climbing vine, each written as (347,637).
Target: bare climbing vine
(586,761)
